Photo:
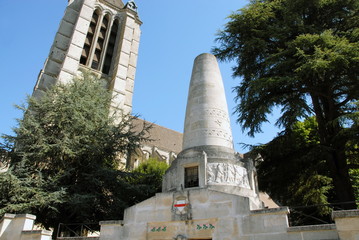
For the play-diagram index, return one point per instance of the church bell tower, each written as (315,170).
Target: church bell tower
(101,36)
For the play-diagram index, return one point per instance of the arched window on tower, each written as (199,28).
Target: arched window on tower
(100,43)
(89,38)
(110,51)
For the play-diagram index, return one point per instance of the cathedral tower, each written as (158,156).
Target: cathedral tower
(101,36)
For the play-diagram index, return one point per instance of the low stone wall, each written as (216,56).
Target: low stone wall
(347,223)
(20,227)
(78,238)
(325,231)
(266,224)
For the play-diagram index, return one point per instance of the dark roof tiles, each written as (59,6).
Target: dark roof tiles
(162,138)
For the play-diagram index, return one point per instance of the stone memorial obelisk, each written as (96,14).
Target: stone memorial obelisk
(208,159)
(207,120)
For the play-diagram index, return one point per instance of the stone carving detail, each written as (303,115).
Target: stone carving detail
(227,174)
(218,133)
(211,126)
(217,113)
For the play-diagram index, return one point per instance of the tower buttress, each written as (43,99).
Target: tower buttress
(101,36)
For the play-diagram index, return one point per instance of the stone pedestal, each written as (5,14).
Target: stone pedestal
(347,224)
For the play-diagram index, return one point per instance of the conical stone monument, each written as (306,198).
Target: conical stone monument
(208,159)
(207,120)
(210,191)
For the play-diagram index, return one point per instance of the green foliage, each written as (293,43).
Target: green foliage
(21,191)
(352,149)
(294,173)
(302,56)
(354,173)
(293,170)
(287,49)
(152,166)
(65,156)
(151,171)
(293,164)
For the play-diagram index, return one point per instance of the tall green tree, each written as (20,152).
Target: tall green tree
(303,56)
(294,172)
(65,155)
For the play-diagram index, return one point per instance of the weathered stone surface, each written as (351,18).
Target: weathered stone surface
(124,59)
(86,12)
(78,40)
(227,174)
(68,47)
(345,214)
(133,59)
(134,47)
(347,224)
(137,33)
(52,68)
(213,215)
(57,55)
(207,141)
(66,28)
(118,99)
(119,84)
(121,72)
(128,99)
(65,77)
(71,15)
(313,232)
(75,54)
(77,4)
(62,42)
(312,228)
(46,82)
(207,119)
(128,33)
(126,46)
(70,64)
(130,23)
(20,227)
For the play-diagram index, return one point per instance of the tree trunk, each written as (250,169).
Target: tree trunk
(338,167)
(334,146)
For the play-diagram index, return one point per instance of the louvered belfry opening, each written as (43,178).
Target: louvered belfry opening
(99,47)
(100,43)
(110,51)
(89,39)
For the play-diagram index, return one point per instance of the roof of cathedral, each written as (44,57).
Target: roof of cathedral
(114,3)
(162,138)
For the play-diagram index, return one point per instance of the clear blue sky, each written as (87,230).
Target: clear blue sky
(173,34)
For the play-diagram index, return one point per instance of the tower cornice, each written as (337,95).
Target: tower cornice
(116,4)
